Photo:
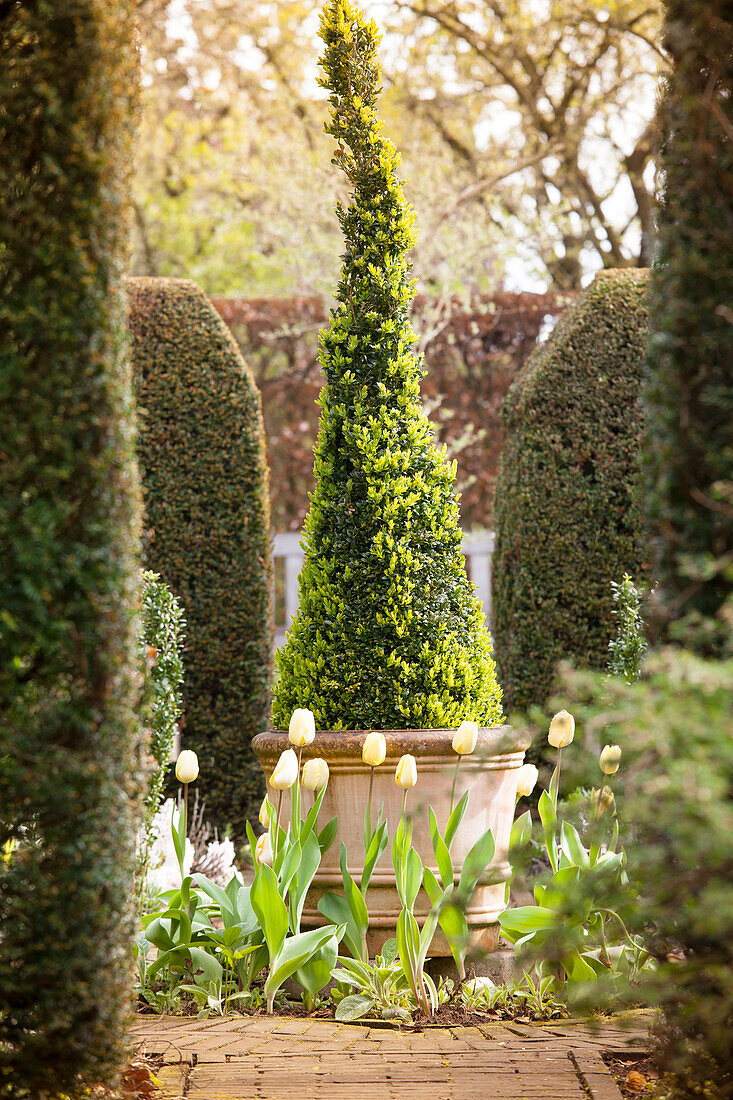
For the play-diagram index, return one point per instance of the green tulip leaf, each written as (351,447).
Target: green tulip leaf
(408,943)
(455,820)
(526,919)
(316,971)
(295,951)
(215,893)
(521,831)
(376,846)
(157,934)
(309,863)
(327,835)
(442,855)
(210,967)
(475,864)
(270,908)
(312,818)
(289,866)
(572,846)
(432,887)
(413,878)
(548,817)
(336,909)
(578,969)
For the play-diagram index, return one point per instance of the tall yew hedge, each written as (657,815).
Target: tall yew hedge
(568,521)
(206,529)
(688,393)
(69,538)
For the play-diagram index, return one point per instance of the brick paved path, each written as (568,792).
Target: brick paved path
(279,1058)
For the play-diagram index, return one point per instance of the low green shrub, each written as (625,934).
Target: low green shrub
(567,517)
(202,461)
(70,780)
(627,648)
(161,639)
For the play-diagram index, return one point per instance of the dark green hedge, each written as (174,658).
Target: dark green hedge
(688,394)
(204,474)
(567,518)
(69,537)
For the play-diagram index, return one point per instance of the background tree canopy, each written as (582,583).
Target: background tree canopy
(524,127)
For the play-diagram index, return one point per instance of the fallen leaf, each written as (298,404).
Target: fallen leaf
(635,1081)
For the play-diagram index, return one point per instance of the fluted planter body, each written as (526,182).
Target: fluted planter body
(490,777)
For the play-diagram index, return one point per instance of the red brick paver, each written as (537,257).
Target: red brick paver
(279,1058)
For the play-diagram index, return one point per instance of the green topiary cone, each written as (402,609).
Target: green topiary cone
(389,634)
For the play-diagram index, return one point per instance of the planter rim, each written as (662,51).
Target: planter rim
(347,744)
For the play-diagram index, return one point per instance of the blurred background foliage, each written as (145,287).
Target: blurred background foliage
(525,129)
(676,820)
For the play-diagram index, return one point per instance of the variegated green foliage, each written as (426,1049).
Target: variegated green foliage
(161,638)
(627,648)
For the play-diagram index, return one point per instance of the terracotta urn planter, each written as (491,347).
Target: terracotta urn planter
(490,777)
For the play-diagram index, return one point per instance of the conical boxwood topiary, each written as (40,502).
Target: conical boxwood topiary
(389,633)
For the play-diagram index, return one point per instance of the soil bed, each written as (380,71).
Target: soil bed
(448,1015)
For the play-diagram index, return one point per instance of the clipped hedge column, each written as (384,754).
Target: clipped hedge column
(567,518)
(688,393)
(389,634)
(69,537)
(202,461)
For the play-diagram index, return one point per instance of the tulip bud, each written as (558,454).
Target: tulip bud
(302,728)
(315,774)
(286,771)
(187,766)
(406,774)
(606,801)
(375,749)
(465,737)
(265,814)
(527,777)
(263,850)
(610,759)
(562,730)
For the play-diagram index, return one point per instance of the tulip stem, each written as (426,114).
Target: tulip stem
(277,822)
(556,776)
(185,810)
(455,780)
(295,799)
(368,837)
